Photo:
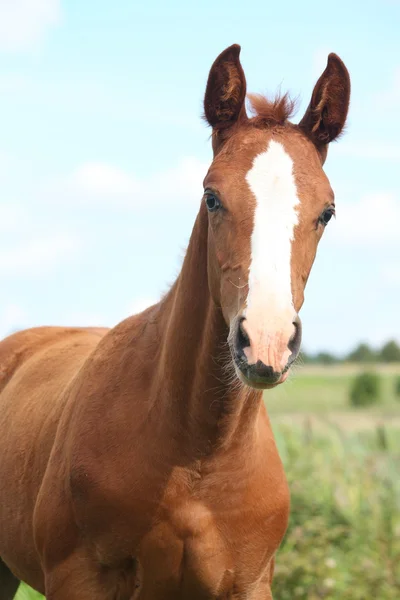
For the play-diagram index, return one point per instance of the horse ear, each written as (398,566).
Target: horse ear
(326,114)
(224,101)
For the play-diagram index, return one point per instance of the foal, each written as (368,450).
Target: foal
(139,463)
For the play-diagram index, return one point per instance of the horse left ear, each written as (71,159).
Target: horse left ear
(326,114)
(226,90)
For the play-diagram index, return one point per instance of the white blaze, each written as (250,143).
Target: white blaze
(269,301)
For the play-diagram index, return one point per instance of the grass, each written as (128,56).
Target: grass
(26,593)
(343,470)
(323,390)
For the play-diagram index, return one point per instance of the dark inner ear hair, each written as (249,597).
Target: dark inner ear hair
(325,117)
(226,90)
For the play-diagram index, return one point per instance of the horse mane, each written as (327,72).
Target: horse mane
(269,112)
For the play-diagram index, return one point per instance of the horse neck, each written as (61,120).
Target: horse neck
(196,374)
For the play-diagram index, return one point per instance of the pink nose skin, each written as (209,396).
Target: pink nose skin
(266,363)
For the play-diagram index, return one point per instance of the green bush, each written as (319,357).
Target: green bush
(365,389)
(390,352)
(362,354)
(397,387)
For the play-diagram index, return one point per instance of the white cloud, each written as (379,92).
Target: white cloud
(12,317)
(38,256)
(4,161)
(319,61)
(82,319)
(373,219)
(391,274)
(184,179)
(14,83)
(140,304)
(23,23)
(390,99)
(105,183)
(102,179)
(11,218)
(369,150)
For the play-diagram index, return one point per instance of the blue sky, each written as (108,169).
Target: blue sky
(103,151)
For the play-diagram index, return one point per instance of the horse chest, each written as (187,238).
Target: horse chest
(206,539)
(199,555)
(187,547)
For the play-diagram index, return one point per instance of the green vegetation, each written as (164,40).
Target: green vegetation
(324,390)
(343,468)
(363,354)
(390,352)
(25,593)
(365,389)
(343,542)
(397,387)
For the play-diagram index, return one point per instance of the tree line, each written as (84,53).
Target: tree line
(363,353)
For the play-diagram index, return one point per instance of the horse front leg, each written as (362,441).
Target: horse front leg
(80,577)
(8,583)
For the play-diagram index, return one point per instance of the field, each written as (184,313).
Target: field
(343,467)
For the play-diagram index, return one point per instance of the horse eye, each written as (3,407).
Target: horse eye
(212,202)
(326,215)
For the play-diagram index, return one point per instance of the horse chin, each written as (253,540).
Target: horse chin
(259,383)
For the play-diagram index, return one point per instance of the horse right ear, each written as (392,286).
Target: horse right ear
(326,114)
(224,101)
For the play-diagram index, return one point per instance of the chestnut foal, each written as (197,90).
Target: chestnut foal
(139,462)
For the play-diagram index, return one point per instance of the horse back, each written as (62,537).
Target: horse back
(19,347)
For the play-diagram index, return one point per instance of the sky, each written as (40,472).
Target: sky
(103,152)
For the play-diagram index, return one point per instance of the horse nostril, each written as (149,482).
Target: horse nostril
(241,340)
(242,337)
(295,340)
(265,371)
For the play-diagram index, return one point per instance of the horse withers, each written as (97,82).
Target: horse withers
(139,462)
